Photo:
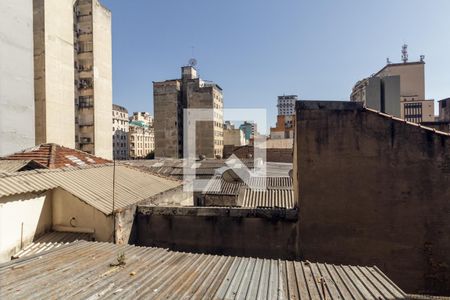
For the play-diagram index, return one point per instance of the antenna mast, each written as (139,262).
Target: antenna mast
(405,53)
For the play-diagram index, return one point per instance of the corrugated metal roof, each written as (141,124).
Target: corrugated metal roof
(271,198)
(52,240)
(9,166)
(218,186)
(92,184)
(88,270)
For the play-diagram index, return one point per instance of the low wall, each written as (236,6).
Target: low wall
(242,232)
(282,155)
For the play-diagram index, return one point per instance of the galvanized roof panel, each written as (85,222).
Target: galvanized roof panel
(91,184)
(271,198)
(52,240)
(10,166)
(88,270)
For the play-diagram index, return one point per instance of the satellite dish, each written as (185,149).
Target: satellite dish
(192,62)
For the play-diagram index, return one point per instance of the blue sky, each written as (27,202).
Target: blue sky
(256,50)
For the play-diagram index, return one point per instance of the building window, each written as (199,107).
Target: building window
(413,112)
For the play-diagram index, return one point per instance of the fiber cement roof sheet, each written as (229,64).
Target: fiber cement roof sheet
(87,270)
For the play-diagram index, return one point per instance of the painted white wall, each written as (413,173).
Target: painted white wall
(66,206)
(16,76)
(33,211)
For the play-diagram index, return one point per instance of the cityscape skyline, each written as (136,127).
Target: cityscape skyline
(289,52)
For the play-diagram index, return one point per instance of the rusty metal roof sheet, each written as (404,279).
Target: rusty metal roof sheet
(271,198)
(91,184)
(89,270)
(52,240)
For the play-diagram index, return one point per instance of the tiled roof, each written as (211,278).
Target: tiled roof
(52,240)
(55,156)
(89,270)
(91,184)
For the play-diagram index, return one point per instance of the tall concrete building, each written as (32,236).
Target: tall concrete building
(170,98)
(16,76)
(120,132)
(397,89)
(93,77)
(286,105)
(54,72)
(73,74)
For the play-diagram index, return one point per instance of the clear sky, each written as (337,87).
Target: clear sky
(259,49)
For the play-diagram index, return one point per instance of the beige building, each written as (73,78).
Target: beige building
(120,132)
(16,76)
(233,136)
(397,89)
(141,138)
(73,74)
(170,98)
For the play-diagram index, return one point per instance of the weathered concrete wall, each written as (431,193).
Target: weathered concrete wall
(244,232)
(283,155)
(16,76)
(54,72)
(373,190)
(168,110)
(22,218)
(102,52)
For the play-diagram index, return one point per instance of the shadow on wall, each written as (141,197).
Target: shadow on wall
(373,190)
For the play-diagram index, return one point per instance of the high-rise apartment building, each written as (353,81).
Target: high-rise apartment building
(93,77)
(73,74)
(16,76)
(54,72)
(170,98)
(120,127)
(141,139)
(286,105)
(397,89)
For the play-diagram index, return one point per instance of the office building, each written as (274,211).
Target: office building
(17,129)
(444,109)
(397,89)
(286,105)
(120,132)
(73,74)
(190,92)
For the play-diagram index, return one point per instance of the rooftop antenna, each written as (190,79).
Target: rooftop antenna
(192,62)
(388,61)
(405,53)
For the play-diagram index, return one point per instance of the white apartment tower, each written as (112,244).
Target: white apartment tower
(73,74)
